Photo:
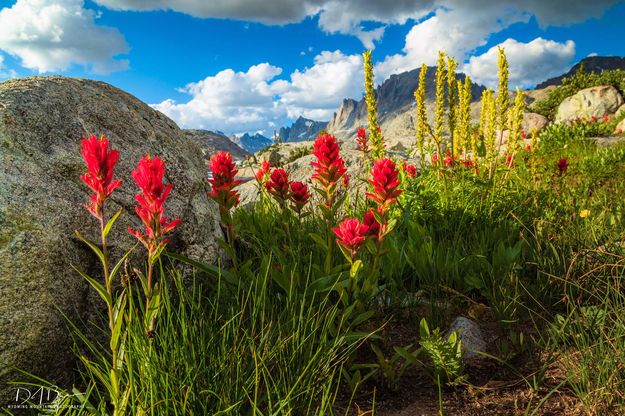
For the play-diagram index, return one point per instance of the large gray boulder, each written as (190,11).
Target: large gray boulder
(42,121)
(594,101)
(534,122)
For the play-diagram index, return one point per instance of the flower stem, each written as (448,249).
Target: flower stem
(107,282)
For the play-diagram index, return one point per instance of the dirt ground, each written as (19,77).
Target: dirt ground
(490,387)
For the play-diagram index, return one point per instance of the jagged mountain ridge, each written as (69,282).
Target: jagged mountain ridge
(301,130)
(591,64)
(395,96)
(212,142)
(252,143)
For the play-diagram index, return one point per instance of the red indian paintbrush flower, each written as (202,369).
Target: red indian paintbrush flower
(223,182)
(563,165)
(509,160)
(385,184)
(362,140)
(100,163)
(329,167)
(263,172)
(411,170)
(299,195)
(278,184)
(346,181)
(149,178)
(351,234)
(373,226)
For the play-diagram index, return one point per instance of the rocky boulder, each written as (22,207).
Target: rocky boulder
(42,121)
(594,101)
(534,122)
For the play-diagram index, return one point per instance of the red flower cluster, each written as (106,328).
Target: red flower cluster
(351,234)
(373,226)
(563,165)
(223,182)
(509,160)
(448,162)
(468,163)
(363,142)
(278,184)
(385,184)
(263,172)
(329,167)
(299,195)
(100,163)
(149,177)
(410,169)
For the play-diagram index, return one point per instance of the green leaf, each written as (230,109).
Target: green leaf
(215,271)
(97,286)
(346,253)
(93,247)
(109,224)
(424,330)
(121,261)
(319,240)
(362,318)
(356,266)
(118,320)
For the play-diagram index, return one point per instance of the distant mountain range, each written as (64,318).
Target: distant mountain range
(301,130)
(252,143)
(591,64)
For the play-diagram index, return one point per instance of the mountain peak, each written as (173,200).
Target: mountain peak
(394,95)
(301,130)
(252,143)
(591,64)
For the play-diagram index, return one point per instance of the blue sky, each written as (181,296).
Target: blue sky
(252,65)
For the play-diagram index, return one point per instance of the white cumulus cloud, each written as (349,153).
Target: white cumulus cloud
(255,100)
(227,101)
(529,63)
(50,35)
(456,31)
(317,91)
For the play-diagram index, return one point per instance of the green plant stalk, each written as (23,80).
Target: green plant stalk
(109,307)
(440,394)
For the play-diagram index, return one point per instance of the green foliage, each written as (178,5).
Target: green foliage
(445,354)
(578,81)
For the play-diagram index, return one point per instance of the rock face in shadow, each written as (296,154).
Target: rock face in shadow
(211,142)
(42,121)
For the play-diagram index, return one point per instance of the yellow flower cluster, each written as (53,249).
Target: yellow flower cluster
(377,141)
(452,104)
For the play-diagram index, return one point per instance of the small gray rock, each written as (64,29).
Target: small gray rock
(470,334)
